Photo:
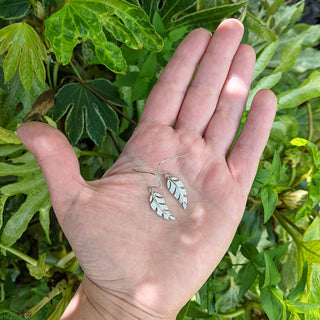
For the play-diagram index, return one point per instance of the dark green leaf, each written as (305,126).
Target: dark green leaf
(272,276)
(183,312)
(249,250)
(14,9)
(269,198)
(246,278)
(272,302)
(85,106)
(194,312)
(275,171)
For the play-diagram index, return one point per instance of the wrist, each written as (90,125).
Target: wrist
(92,303)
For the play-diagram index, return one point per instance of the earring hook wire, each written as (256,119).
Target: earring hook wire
(171,158)
(159,180)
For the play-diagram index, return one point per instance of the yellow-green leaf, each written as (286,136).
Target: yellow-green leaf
(24,50)
(81,20)
(7,136)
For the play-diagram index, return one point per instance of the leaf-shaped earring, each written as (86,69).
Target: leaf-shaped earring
(157,201)
(174,185)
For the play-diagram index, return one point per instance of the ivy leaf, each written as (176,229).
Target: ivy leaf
(24,49)
(34,186)
(80,20)
(84,107)
(14,9)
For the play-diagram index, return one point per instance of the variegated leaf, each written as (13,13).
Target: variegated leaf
(159,206)
(177,189)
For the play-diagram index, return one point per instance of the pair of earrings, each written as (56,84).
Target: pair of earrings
(175,187)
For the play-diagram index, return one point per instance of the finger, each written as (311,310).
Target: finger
(244,158)
(203,94)
(226,118)
(165,99)
(57,160)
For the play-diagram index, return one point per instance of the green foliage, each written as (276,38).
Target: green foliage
(85,20)
(88,67)
(25,49)
(85,107)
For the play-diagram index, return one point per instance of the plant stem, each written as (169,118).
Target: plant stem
(19,254)
(55,73)
(286,227)
(57,290)
(310,121)
(232,315)
(48,71)
(75,70)
(300,230)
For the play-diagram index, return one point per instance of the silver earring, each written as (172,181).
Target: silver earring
(157,201)
(174,185)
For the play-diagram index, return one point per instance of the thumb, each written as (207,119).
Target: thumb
(57,160)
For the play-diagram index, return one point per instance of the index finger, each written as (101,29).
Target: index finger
(166,97)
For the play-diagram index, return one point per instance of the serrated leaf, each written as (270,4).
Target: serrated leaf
(84,107)
(159,206)
(259,28)
(177,189)
(309,89)
(33,185)
(290,54)
(24,49)
(264,58)
(81,20)
(267,82)
(14,9)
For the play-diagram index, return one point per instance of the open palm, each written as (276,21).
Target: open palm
(129,253)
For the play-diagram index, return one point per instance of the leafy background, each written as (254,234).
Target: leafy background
(87,67)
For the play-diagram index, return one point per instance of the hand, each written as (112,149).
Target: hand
(136,263)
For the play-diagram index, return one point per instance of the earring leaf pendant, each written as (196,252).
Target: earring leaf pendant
(159,206)
(177,189)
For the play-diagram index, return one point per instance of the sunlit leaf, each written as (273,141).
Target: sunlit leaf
(309,89)
(264,58)
(34,186)
(24,49)
(81,20)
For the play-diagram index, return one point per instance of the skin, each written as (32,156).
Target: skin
(136,264)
